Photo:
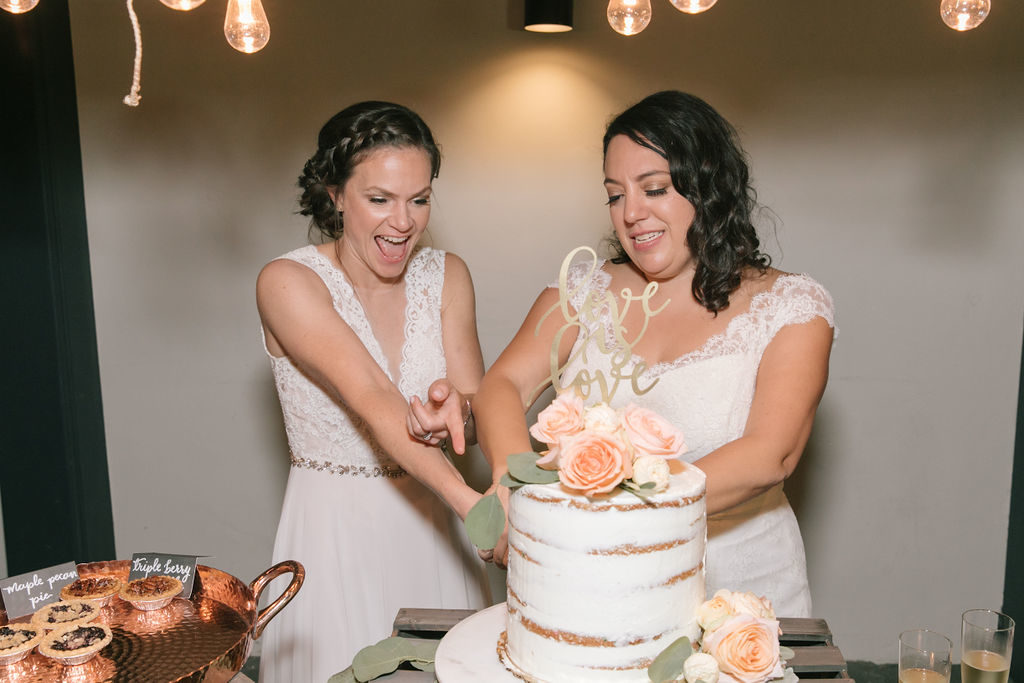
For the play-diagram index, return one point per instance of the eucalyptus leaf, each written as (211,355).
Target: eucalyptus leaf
(789,676)
(785,654)
(509,482)
(668,666)
(422,666)
(485,521)
(642,494)
(523,466)
(346,676)
(384,657)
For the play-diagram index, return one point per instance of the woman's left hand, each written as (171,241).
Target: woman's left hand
(442,417)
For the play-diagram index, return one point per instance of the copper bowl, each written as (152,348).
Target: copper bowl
(204,638)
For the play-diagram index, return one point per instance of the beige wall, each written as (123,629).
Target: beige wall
(890,148)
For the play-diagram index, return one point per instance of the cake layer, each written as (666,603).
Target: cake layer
(599,587)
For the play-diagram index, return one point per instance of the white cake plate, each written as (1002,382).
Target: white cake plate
(468,653)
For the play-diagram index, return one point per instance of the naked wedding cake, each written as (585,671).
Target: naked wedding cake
(599,586)
(607,537)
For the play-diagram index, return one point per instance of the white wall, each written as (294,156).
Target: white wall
(890,148)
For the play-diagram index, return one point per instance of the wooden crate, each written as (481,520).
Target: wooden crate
(815,655)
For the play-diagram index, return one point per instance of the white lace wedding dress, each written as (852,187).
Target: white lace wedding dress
(371,538)
(755,546)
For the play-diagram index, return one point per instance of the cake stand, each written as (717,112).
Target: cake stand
(468,652)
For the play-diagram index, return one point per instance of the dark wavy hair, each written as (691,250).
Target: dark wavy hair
(344,141)
(709,169)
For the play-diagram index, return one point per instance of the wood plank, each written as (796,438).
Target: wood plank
(418,622)
(818,659)
(804,630)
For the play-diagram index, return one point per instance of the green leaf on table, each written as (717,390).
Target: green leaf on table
(485,521)
(785,654)
(668,666)
(346,676)
(384,657)
(423,666)
(523,466)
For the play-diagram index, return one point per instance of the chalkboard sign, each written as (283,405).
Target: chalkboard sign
(26,593)
(181,567)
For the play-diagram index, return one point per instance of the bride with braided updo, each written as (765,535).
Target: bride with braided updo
(355,327)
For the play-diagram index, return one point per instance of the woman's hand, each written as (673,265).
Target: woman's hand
(443,416)
(499,554)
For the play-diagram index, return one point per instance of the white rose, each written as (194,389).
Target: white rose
(748,603)
(651,468)
(601,418)
(701,667)
(714,612)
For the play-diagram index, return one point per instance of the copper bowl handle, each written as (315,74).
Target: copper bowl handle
(261,581)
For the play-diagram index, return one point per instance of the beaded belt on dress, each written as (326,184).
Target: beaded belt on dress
(350,470)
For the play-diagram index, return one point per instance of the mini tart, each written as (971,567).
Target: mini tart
(96,589)
(17,640)
(65,613)
(153,592)
(76,644)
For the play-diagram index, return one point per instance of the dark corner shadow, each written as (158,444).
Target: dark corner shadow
(804,483)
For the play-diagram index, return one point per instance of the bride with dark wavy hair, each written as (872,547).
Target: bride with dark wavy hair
(739,351)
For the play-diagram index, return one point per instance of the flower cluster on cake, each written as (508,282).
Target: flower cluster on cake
(739,643)
(597,448)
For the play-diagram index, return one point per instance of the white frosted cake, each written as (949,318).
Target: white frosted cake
(598,587)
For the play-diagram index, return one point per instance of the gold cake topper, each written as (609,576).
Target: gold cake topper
(610,339)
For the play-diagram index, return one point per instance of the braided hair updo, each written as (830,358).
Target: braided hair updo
(709,169)
(345,141)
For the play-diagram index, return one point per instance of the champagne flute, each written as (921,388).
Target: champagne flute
(986,644)
(925,657)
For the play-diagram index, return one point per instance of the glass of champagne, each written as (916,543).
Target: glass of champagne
(925,657)
(985,646)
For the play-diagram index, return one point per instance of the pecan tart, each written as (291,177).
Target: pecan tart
(152,592)
(65,613)
(76,644)
(98,590)
(17,640)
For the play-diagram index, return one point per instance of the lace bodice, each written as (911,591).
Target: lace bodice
(327,435)
(707,393)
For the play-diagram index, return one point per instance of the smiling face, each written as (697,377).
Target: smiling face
(385,206)
(650,217)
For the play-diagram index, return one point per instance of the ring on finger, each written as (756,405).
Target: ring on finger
(427,437)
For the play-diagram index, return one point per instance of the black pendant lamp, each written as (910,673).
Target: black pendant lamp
(548,16)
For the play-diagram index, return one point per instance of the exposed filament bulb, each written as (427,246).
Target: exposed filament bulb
(629,17)
(246,26)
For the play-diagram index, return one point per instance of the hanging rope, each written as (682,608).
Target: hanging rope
(133,97)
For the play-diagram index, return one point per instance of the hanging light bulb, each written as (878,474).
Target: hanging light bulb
(693,6)
(18,6)
(183,5)
(629,17)
(963,15)
(246,26)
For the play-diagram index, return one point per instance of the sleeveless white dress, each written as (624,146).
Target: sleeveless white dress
(755,546)
(372,539)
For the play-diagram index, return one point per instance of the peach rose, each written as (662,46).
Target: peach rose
(562,417)
(747,648)
(652,434)
(548,460)
(593,462)
(714,612)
